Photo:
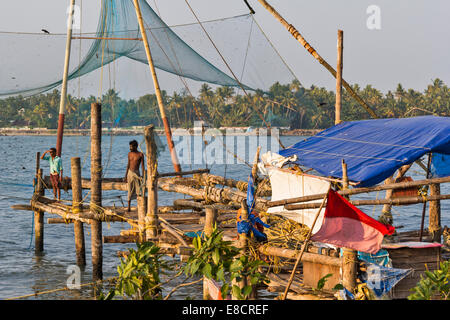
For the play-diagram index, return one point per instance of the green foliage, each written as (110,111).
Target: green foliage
(322,281)
(435,285)
(218,260)
(283,105)
(139,274)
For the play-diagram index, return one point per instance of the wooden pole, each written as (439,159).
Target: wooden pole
(38,163)
(152,183)
(316,55)
(349,256)
(243,245)
(184,173)
(39,218)
(77,197)
(293,254)
(308,237)
(220,195)
(340,50)
(434,226)
(386,214)
(62,103)
(159,98)
(96,191)
(390,202)
(393,186)
(142,212)
(425,204)
(210,221)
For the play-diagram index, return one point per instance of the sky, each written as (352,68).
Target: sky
(403,41)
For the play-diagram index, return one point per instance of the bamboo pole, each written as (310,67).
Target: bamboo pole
(349,256)
(96,191)
(242,244)
(39,218)
(393,186)
(184,173)
(391,202)
(299,258)
(316,55)
(340,50)
(59,211)
(142,213)
(77,196)
(105,38)
(212,194)
(62,103)
(293,254)
(167,129)
(210,221)
(386,214)
(38,163)
(434,226)
(425,204)
(151,225)
(60,221)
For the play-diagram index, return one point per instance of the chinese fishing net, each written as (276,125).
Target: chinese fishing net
(32,63)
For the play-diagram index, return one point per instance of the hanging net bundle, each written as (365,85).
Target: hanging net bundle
(182,51)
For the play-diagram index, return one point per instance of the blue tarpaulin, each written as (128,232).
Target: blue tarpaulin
(440,165)
(372,149)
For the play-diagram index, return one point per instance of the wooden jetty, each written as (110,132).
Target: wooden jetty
(209,204)
(214,200)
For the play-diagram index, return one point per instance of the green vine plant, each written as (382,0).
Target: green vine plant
(139,274)
(322,281)
(435,284)
(219,260)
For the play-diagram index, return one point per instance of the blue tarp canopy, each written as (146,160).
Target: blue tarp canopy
(372,149)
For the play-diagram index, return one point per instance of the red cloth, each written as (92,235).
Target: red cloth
(344,225)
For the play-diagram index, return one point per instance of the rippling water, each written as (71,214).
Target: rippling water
(23,273)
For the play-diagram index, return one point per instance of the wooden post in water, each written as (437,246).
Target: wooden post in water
(77,197)
(96,191)
(434,226)
(349,256)
(39,216)
(210,221)
(151,225)
(339,68)
(38,163)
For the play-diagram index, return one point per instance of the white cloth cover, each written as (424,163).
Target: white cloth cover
(287,185)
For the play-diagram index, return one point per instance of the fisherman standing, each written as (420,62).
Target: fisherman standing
(56,170)
(132,175)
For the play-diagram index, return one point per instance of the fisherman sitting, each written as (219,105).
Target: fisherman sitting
(56,170)
(132,175)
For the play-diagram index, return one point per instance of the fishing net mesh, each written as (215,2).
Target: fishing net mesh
(243,48)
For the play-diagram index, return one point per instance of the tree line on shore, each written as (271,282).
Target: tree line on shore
(287,105)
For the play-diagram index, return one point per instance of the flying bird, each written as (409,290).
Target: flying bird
(43,30)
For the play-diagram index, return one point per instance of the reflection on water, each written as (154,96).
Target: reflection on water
(23,273)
